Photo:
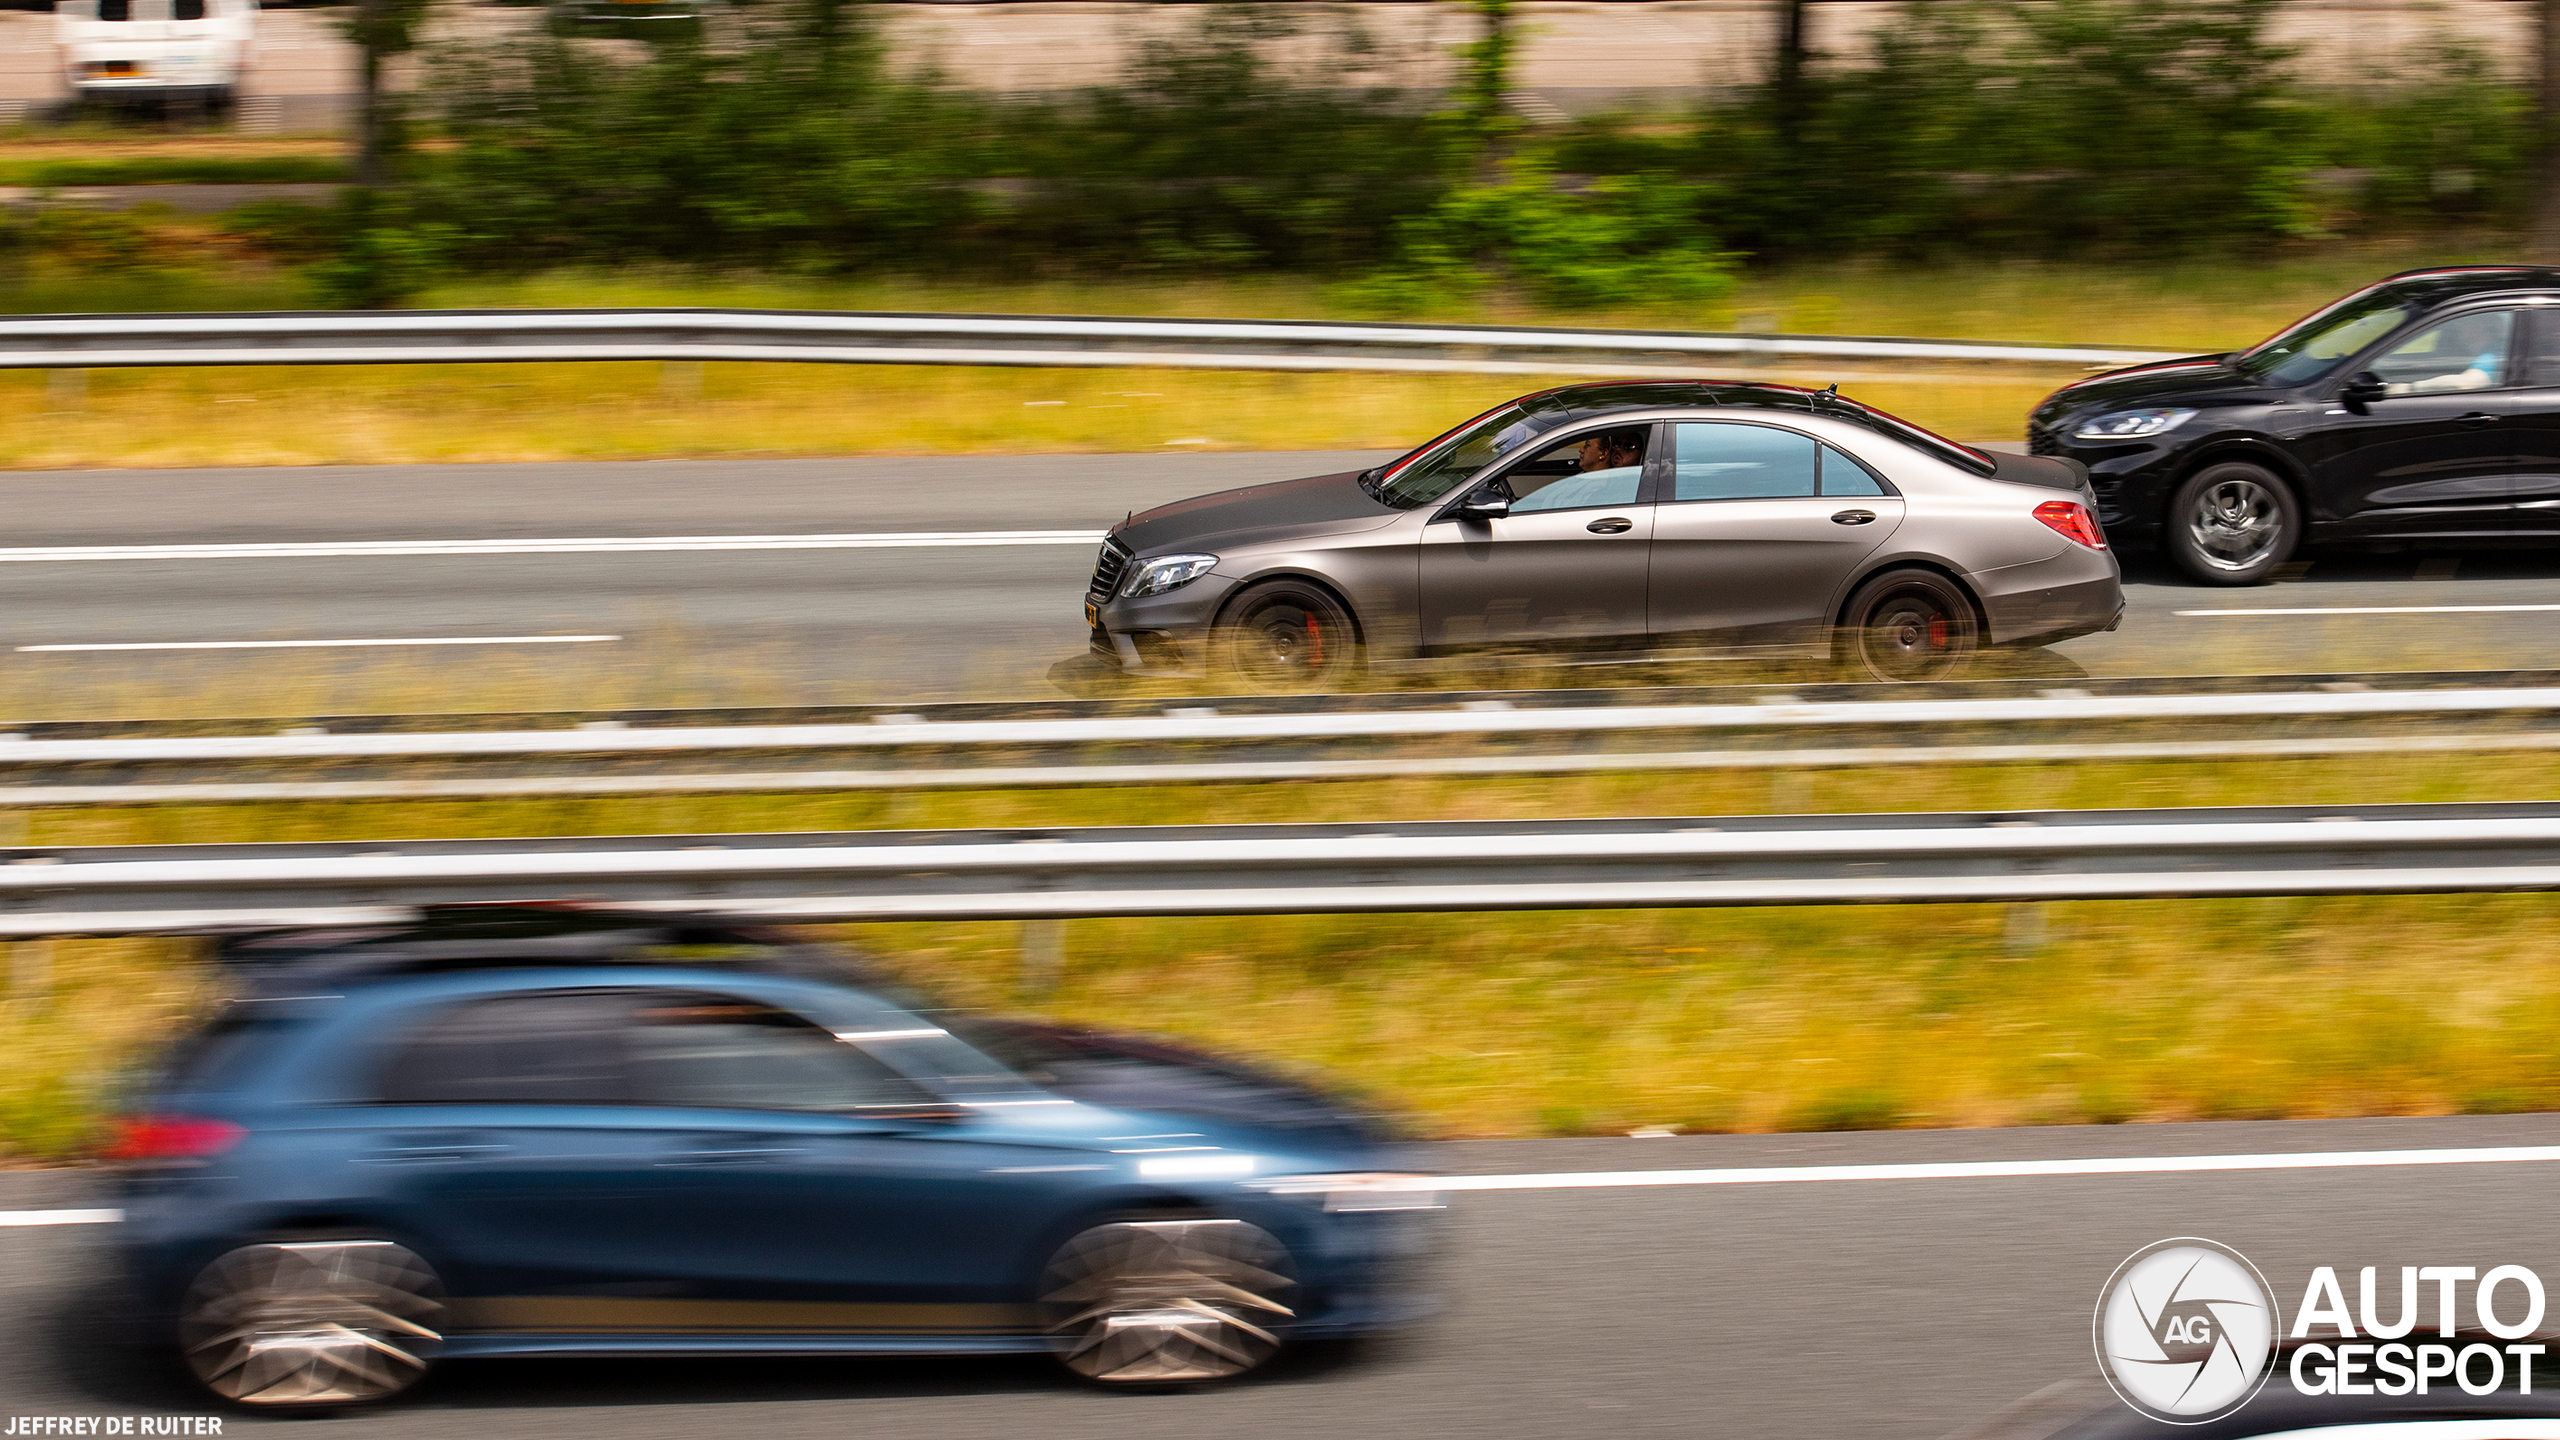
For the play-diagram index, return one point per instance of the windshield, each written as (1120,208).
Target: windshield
(2326,340)
(1456,458)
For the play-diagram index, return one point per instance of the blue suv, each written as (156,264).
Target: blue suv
(543,1131)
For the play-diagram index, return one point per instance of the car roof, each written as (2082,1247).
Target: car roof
(2443,284)
(450,938)
(1608,397)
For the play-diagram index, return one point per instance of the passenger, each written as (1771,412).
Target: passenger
(1612,450)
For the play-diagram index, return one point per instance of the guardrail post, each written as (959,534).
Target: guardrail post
(1043,956)
(1790,792)
(31,970)
(2025,927)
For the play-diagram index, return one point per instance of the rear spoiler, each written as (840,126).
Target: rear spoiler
(2049,471)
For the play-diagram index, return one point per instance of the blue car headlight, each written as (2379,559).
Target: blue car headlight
(2131,424)
(1167,572)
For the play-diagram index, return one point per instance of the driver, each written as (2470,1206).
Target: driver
(1611,450)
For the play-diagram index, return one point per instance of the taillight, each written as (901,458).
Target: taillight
(2073,522)
(172,1137)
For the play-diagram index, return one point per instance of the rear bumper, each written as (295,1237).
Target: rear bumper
(2046,602)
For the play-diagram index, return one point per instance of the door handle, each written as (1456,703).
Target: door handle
(1614,525)
(1852,517)
(730,1157)
(432,1154)
(2476,418)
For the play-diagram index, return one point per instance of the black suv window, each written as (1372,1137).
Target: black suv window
(548,1048)
(739,1055)
(2467,352)
(2539,357)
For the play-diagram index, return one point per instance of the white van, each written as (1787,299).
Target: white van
(184,50)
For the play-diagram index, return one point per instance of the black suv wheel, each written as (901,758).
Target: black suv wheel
(2233,523)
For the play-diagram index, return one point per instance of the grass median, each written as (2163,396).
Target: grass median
(1597,1021)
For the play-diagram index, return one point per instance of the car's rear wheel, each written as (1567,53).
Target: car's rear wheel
(312,1324)
(1284,636)
(2233,524)
(1180,1301)
(1909,625)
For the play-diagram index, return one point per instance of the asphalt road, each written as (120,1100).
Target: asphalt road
(810,626)
(1900,1309)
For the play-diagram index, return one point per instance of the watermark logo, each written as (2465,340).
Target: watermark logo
(2184,1328)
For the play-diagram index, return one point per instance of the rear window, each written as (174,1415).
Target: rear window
(222,1055)
(1928,441)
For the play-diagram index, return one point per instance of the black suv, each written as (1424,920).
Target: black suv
(2426,407)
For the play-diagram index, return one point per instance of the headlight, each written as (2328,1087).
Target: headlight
(2131,424)
(1357,1191)
(1169,572)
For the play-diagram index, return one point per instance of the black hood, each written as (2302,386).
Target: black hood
(2201,379)
(1277,511)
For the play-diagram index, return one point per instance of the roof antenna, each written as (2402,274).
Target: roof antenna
(1830,391)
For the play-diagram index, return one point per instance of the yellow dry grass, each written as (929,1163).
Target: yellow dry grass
(388,414)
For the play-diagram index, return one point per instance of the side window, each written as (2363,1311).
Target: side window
(1605,467)
(1845,474)
(1716,461)
(2468,352)
(733,1054)
(2541,358)
(560,1048)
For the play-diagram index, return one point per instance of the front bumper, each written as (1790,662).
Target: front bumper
(1164,634)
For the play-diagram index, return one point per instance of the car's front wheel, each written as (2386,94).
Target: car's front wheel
(1909,625)
(1177,1301)
(312,1324)
(2233,524)
(1285,636)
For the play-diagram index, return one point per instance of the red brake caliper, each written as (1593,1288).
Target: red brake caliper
(1315,644)
(1937,632)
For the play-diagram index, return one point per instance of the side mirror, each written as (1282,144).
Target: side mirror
(2363,388)
(1486,504)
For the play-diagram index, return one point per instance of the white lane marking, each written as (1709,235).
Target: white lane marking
(1992,1169)
(321,644)
(1801,1174)
(2383,610)
(596,545)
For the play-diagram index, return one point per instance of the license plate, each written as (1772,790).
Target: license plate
(1092,616)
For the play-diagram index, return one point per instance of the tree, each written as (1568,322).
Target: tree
(1786,87)
(2544,239)
(1485,87)
(380,29)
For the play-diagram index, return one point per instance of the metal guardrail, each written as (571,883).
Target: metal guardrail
(1236,772)
(446,336)
(1283,869)
(1187,725)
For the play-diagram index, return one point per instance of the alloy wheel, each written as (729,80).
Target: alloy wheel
(1913,631)
(2235,524)
(322,1322)
(1166,1301)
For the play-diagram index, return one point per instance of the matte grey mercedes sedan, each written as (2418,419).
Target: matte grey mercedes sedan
(1696,519)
